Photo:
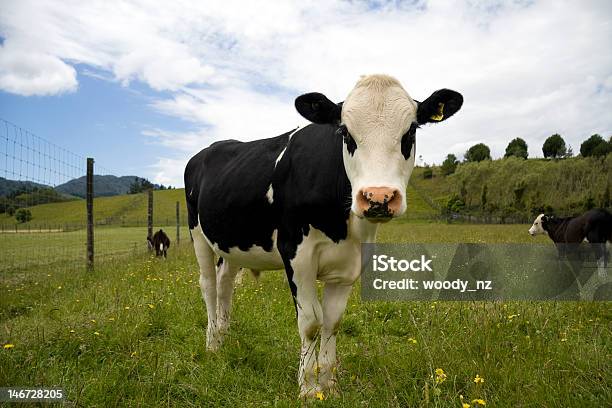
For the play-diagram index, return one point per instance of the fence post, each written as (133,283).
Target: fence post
(150,215)
(178,225)
(90,220)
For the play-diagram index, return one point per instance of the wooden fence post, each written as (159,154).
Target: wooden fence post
(90,220)
(150,215)
(178,224)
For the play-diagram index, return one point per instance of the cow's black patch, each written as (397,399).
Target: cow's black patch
(226,185)
(351,146)
(311,188)
(408,140)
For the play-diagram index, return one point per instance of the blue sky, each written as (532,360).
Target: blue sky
(101,119)
(144,87)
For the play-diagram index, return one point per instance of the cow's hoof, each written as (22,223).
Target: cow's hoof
(331,389)
(313,392)
(213,344)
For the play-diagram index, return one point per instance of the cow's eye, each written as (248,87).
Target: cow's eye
(351,146)
(408,140)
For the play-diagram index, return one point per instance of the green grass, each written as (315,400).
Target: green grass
(23,250)
(131,333)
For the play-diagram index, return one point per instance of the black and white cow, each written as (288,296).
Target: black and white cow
(160,242)
(594,226)
(305,201)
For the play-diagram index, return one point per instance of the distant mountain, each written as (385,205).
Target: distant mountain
(10,186)
(104,186)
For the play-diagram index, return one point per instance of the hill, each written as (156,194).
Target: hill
(8,187)
(518,188)
(126,210)
(104,186)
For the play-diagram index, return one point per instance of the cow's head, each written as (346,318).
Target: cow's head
(539,225)
(378,122)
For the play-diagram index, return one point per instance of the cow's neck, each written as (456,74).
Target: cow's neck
(361,230)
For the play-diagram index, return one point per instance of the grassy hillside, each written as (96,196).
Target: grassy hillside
(128,209)
(523,187)
(131,333)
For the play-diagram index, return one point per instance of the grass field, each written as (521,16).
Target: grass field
(132,333)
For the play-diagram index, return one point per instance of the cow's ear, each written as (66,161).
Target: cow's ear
(317,108)
(440,106)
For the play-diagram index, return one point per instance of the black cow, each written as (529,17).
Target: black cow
(160,242)
(595,226)
(305,201)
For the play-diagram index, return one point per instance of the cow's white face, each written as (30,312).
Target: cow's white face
(378,122)
(537,227)
(379,146)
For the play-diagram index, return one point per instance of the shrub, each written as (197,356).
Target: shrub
(449,165)
(455,204)
(427,173)
(23,215)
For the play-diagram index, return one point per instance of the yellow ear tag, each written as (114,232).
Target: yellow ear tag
(440,115)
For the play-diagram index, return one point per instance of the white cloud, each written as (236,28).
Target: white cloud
(526,69)
(28,73)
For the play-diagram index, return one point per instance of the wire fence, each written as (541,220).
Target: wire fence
(43,215)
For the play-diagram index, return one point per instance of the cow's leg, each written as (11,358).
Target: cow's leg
(226,273)
(208,286)
(302,276)
(335,297)
(310,319)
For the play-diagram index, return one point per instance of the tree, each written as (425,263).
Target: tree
(23,215)
(554,147)
(139,185)
(602,149)
(478,153)
(449,165)
(518,148)
(587,147)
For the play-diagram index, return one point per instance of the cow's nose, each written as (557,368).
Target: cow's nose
(379,202)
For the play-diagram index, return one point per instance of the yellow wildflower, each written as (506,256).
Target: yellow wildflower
(72,331)
(151,306)
(412,340)
(8,346)
(96,333)
(319,395)
(440,376)
(93,321)
(479,402)
(478,379)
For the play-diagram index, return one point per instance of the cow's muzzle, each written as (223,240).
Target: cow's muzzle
(379,204)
